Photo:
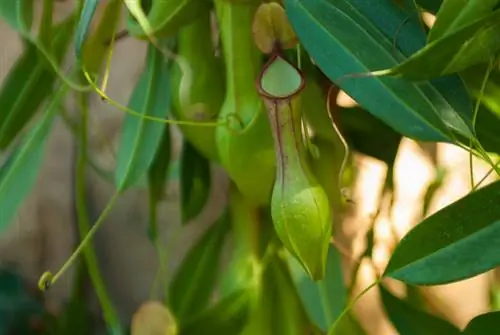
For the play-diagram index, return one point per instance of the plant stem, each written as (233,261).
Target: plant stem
(110,315)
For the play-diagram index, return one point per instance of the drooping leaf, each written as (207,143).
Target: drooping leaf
(450,54)
(334,30)
(158,171)
(195,182)
(19,173)
(94,49)
(411,321)
(194,282)
(140,138)
(450,245)
(18,14)
(455,13)
(83,26)
(28,84)
(227,317)
(483,324)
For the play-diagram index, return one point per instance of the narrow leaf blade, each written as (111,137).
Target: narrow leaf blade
(450,245)
(83,26)
(140,137)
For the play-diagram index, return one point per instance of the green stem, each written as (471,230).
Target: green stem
(109,312)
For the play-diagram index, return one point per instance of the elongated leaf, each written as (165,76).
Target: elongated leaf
(411,321)
(457,242)
(82,29)
(325,300)
(29,83)
(195,182)
(483,324)
(456,13)
(18,14)
(342,40)
(140,137)
(194,282)
(19,174)
(451,54)
(404,28)
(227,317)
(95,49)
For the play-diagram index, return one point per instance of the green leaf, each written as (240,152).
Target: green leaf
(19,173)
(140,138)
(323,300)
(483,324)
(227,317)
(335,30)
(158,171)
(28,84)
(454,14)
(326,299)
(450,54)
(194,282)
(411,321)
(195,182)
(450,245)
(18,14)
(95,49)
(82,29)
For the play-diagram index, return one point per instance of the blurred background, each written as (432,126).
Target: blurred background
(427,177)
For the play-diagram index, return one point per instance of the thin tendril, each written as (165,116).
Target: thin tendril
(475,113)
(345,160)
(485,176)
(48,279)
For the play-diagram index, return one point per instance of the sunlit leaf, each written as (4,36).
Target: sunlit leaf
(450,245)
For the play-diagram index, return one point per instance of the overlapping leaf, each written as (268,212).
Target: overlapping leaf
(140,138)
(343,40)
(458,242)
(82,29)
(456,13)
